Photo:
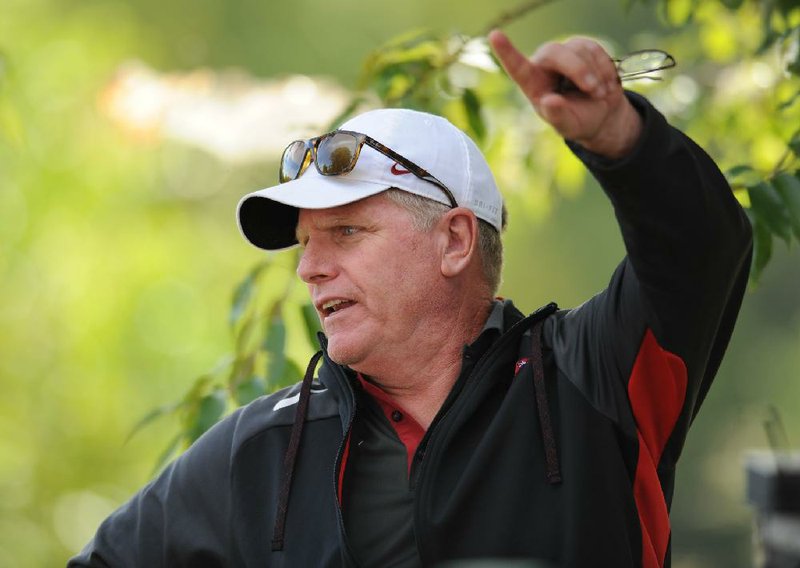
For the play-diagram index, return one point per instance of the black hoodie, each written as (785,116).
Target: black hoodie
(580,475)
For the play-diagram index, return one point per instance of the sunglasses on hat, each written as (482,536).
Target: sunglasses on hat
(337,152)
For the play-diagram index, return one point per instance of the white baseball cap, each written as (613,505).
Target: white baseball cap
(268,217)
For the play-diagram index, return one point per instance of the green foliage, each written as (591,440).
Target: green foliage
(400,72)
(775,212)
(788,189)
(202,411)
(259,363)
(748,62)
(771,217)
(472,106)
(310,322)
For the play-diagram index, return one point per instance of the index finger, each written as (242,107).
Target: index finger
(518,67)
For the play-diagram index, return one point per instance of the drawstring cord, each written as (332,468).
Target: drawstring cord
(553,471)
(291,453)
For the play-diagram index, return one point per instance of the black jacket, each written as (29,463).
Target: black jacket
(624,375)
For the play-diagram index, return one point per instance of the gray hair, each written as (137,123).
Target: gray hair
(425,212)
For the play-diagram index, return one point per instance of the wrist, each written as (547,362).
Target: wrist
(618,135)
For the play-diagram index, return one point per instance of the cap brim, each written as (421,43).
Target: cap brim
(268,217)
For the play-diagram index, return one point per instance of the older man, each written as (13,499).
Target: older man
(446,425)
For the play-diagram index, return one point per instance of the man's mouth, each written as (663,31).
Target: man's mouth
(333,306)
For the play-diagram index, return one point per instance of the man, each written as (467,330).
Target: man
(446,425)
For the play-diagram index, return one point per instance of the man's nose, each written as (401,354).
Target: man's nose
(316,264)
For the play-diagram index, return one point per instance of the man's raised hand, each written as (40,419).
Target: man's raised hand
(596,115)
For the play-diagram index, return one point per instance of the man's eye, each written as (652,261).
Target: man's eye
(348,230)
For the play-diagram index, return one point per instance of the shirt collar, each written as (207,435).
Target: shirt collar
(495,319)
(492,329)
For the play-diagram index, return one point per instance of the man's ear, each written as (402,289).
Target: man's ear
(459,228)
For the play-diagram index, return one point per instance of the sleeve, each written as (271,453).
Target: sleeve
(649,345)
(179,519)
(645,350)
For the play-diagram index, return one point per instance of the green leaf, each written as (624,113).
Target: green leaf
(166,454)
(241,298)
(788,187)
(767,204)
(150,417)
(241,370)
(794,143)
(472,106)
(395,86)
(775,430)
(397,71)
(244,292)
(732,4)
(679,12)
(384,64)
(312,325)
(785,7)
(769,39)
(793,65)
(200,387)
(248,391)
(743,176)
(762,248)
(244,335)
(275,346)
(292,373)
(431,50)
(209,410)
(785,105)
(411,37)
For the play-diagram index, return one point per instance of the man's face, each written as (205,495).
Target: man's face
(372,277)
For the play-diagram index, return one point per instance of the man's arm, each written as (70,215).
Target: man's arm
(674,299)
(179,519)
(644,351)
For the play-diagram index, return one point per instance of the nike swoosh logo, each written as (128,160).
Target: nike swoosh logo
(398,170)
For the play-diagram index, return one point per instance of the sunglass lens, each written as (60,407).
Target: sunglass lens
(292,161)
(336,154)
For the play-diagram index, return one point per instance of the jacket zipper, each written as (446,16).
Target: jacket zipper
(425,442)
(338,463)
(542,313)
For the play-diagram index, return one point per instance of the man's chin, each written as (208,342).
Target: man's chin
(344,352)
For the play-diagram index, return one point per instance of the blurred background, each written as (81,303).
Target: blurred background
(130,129)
